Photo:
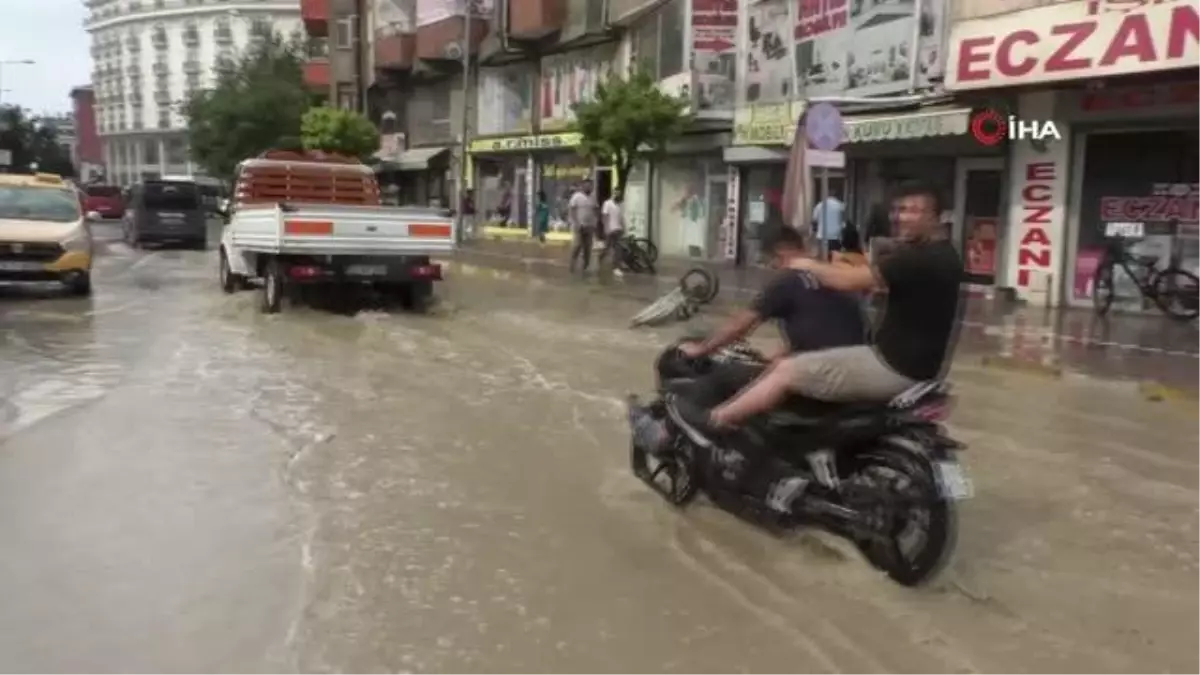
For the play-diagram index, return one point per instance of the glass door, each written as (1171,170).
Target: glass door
(717,199)
(978,228)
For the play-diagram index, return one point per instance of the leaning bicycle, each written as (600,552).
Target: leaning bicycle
(1174,290)
(635,254)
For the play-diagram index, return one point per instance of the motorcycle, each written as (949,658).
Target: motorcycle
(882,475)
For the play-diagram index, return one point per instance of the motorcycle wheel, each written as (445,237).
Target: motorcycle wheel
(913,505)
(672,474)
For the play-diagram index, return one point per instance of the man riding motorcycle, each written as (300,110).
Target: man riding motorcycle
(915,335)
(810,317)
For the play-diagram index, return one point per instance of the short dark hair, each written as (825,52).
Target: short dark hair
(782,236)
(919,189)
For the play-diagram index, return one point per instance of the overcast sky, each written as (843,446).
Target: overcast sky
(51,33)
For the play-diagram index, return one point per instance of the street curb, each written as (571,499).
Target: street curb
(1013,365)
(1159,392)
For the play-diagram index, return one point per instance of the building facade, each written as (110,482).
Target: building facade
(1118,83)
(149,55)
(86,152)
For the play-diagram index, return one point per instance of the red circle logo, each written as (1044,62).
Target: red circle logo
(989,127)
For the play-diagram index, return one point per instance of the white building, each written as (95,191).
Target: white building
(148,55)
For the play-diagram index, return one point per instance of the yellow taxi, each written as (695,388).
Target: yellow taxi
(44,233)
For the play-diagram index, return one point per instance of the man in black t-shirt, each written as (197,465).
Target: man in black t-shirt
(810,317)
(915,335)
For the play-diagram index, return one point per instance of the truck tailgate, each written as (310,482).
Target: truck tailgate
(349,230)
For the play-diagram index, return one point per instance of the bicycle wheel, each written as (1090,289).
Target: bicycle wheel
(640,259)
(1177,292)
(647,246)
(1103,289)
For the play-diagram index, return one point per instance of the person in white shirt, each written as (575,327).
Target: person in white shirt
(614,224)
(582,216)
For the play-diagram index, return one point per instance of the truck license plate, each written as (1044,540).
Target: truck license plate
(366,270)
(20,266)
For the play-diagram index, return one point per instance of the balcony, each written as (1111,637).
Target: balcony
(191,66)
(443,41)
(624,12)
(315,14)
(223,35)
(394,51)
(162,97)
(316,74)
(535,19)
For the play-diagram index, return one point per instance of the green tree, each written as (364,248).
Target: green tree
(344,132)
(33,143)
(628,120)
(255,105)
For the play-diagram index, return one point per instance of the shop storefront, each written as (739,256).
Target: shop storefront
(1134,176)
(508,173)
(883,150)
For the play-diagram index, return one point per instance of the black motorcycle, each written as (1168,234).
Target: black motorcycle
(882,475)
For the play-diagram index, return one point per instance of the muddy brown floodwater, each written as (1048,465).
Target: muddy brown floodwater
(186,485)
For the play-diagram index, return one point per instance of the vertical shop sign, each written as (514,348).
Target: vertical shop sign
(862,47)
(714,52)
(1035,249)
(729,229)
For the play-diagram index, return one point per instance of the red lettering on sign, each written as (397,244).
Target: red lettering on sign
(1117,39)
(1034,250)
(1071,36)
(1158,208)
(1004,57)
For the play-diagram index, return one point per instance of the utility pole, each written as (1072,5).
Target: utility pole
(463,172)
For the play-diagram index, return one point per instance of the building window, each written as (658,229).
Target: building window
(347,97)
(176,150)
(164,119)
(150,151)
(344,35)
(672,37)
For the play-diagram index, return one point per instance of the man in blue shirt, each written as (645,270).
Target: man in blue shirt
(810,318)
(830,215)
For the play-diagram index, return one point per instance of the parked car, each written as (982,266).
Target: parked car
(105,200)
(166,211)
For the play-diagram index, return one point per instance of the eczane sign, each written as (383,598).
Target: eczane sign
(1073,40)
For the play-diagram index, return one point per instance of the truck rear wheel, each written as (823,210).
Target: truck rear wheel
(271,299)
(416,296)
(230,281)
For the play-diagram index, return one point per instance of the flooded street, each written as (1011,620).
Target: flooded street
(188,485)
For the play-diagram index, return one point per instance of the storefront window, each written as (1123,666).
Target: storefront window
(499,193)
(1143,181)
(690,204)
(559,176)
(762,190)
(637,201)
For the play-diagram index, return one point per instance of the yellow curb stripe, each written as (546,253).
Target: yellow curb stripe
(1158,392)
(1007,363)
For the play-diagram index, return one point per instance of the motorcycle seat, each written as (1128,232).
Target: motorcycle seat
(806,412)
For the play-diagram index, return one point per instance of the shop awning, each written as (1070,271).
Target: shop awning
(751,154)
(925,123)
(416,159)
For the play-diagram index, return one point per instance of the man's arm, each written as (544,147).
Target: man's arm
(773,302)
(739,326)
(841,277)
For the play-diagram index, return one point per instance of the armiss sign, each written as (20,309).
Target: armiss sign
(1073,40)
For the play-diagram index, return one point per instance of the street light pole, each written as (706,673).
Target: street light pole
(16,62)
(463,176)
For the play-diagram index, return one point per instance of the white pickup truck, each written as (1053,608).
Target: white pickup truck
(298,242)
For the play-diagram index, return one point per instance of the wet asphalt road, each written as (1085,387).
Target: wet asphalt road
(187,485)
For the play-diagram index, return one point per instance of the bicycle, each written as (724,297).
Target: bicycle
(1174,290)
(635,255)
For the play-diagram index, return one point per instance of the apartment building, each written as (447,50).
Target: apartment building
(340,63)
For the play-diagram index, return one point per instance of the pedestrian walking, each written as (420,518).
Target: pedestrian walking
(583,218)
(614,226)
(830,215)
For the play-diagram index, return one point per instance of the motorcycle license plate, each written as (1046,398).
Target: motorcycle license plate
(953,481)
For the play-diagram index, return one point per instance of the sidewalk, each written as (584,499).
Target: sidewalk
(1151,349)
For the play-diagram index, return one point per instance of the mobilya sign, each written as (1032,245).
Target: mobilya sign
(564,141)
(1074,40)
(766,124)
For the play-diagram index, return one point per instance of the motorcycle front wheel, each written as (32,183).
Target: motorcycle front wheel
(916,527)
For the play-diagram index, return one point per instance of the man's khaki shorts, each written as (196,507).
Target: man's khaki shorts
(844,374)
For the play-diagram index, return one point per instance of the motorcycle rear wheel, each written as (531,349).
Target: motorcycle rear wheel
(912,489)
